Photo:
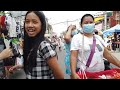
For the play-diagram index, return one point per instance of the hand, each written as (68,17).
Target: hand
(6,53)
(72,27)
(13,68)
(75,76)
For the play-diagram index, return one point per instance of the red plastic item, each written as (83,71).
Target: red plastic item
(112,74)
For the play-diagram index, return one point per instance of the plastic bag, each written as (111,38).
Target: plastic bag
(107,74)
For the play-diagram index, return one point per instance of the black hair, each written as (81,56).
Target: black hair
(86,15)
(32,43)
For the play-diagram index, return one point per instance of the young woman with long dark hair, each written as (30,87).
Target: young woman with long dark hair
(40,57)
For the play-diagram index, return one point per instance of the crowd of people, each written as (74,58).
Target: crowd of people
(84,50)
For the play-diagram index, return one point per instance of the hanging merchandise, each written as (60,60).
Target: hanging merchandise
(18,28)
(3,22)
(11,26)
(14,47)
(7,21)
(6,41)
(15,41)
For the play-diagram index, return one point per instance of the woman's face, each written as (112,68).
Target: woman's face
(32,24)
(87,20)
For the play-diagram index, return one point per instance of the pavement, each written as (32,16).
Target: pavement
(18,74)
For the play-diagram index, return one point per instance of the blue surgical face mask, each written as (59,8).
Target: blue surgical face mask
(88,28)
(74,32)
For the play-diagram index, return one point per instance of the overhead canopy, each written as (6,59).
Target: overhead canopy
(111,30)
(98,19)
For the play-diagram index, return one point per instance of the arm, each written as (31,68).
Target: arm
(49,54)
(112,59)
(13,68)
(6,53)
(55,67)
(67,36)
(73,64)
(75,46)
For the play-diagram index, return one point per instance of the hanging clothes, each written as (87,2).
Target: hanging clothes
(11,25)
(3,24)
(18,28)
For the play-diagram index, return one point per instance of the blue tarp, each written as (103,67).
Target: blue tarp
(111,30)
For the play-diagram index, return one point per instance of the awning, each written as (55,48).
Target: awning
(98,19)
(111,30)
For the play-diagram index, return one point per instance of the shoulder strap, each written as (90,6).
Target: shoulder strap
(100,41)
(92,52)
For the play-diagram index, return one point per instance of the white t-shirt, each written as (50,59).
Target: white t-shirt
(97,63)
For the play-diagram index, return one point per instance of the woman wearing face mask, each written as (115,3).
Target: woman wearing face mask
(40,57)
(81,49)
(71,31)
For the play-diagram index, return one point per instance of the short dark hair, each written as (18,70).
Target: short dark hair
(86,15)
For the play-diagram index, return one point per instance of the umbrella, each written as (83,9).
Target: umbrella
(111,30)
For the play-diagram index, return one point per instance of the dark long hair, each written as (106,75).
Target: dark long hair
(33,43)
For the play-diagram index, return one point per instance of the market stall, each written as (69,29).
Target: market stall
(110,31)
